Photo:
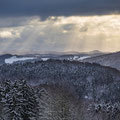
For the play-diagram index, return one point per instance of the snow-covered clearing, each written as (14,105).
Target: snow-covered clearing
(45,59)
(84,57)
(77,58)
(15,59)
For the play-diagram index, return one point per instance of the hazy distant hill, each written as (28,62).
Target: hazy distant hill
(96,52)
(112,60)
(71,55)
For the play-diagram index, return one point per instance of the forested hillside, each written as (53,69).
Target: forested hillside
(91,80)
(59,90)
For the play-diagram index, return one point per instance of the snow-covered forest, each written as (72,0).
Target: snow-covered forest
(59,90)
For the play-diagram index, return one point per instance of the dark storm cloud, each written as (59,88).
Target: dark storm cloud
(45,8)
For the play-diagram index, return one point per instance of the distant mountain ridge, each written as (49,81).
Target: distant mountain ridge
(55,52)
(111,59)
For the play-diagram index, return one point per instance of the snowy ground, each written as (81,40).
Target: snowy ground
(84,57)
(15,59)
(45,59)
(77,58)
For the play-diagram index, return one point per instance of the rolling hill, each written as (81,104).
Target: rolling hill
(112,60)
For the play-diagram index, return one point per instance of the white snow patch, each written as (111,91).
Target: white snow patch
(45,59)
(15,59)
(75,57)
(86,97)
(84,57)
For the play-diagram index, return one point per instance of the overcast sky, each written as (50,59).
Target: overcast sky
(59,25)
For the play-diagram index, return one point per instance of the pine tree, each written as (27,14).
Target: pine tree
(13,103)
(53,106)
(1,101)
(62,108)
(29,101)
(20,101)
(45,105)
(4,90)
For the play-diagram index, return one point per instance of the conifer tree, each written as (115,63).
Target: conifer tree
(13,103)
(30,103)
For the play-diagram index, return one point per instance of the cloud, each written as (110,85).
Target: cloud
(46,8)
(75,33)
(5,34)
(9,34)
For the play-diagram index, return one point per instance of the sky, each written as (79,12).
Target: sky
(34,26)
